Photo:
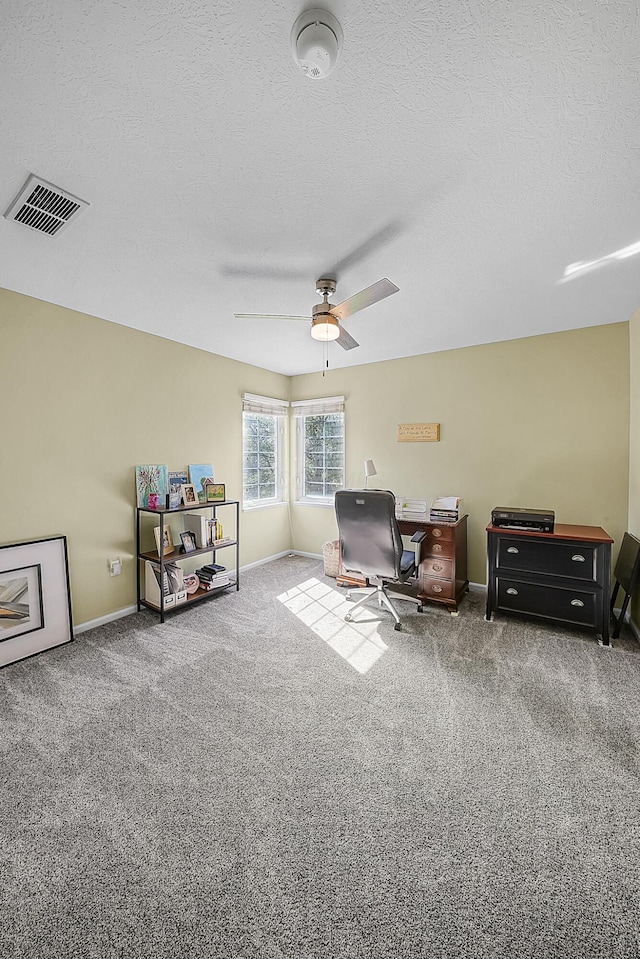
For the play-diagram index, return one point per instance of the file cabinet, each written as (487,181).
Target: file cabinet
(563,577)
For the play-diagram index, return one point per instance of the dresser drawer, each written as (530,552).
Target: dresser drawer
(437,588)
(559,603)
(439,541)
(570,560)
(435,567)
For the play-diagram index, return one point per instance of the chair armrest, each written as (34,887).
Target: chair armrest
(417,538)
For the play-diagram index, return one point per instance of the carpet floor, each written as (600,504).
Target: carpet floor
(257,779)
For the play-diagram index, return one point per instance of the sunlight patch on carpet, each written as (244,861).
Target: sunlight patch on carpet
(323,609)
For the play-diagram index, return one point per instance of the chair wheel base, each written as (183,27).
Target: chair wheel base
(348,618)
(396,626)
(421,609)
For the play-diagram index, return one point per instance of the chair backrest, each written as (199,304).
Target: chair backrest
(627,568)
(370,539)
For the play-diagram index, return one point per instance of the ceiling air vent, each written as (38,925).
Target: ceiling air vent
(44,207)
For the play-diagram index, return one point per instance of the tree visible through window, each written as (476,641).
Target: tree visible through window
(262,450)
(323,455)
(320,449)
(260,454)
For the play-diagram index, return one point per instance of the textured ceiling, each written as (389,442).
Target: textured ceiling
(469,151)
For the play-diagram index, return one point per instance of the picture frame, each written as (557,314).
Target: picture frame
(215,492)
(200,475)
(188,540)
(35,598)
(152,486)
(189,494)
(177,479)
(168,546)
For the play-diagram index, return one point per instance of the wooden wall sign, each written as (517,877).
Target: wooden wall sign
(419,433)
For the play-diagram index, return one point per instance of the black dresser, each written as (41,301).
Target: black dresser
(563,577)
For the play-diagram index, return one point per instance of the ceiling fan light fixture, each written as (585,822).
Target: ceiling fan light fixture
(316,41)
(325,328)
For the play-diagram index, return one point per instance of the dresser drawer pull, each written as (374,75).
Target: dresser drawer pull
(436,532)
(437,567)
(577,602)
(437,548)
(512,592)
(578,558)
(513,549)
(437,589)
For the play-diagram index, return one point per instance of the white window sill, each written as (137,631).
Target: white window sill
(310,502)
(255,506)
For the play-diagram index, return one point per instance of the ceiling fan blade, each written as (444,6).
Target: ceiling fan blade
(377,291)
(269,316)
(345,340)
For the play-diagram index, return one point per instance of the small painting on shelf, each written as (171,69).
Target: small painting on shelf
(201,476)
(152,486)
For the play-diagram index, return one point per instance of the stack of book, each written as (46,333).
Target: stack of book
(445,509)
(213,576)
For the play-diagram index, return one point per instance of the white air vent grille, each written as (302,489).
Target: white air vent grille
(44,207)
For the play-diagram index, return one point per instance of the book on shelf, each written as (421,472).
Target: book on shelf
(212,580)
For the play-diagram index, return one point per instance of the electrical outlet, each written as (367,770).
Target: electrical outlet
(115,567)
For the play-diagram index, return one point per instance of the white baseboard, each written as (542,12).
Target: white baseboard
(101,620)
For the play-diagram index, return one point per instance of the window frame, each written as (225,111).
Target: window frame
(302,410)
(253,405)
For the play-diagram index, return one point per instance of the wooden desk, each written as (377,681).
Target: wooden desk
(442,577)
(563,577)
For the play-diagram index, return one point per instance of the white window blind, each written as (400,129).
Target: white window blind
(326,404)
(252,403)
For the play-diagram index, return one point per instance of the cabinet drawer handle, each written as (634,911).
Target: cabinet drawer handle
(577,602)
(578,558)
(436,532)
(513,549)
(437,589)
(512,592)
(436,567)
(437,548)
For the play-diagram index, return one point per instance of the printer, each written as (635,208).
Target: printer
(513,517)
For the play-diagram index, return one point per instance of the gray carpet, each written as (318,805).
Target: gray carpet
(257,778)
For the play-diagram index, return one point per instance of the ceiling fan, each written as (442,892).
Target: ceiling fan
(326,318)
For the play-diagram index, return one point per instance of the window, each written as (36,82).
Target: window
(320,449)
(263,450)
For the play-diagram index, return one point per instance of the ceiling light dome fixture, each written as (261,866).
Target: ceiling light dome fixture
(316,42)
(325,327)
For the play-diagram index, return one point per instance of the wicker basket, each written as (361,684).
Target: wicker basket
(331,556)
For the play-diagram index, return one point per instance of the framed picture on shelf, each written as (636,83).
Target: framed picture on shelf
(189,494)
(35,601)
(167,540)
(177,479)
(201,474)
(215,492)
(152,486)
(188,540)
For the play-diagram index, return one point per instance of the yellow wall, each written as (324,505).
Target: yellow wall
(538,422)
(83,401)
(541,422)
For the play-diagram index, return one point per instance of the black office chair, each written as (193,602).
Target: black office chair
(627,575)
(371,544)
